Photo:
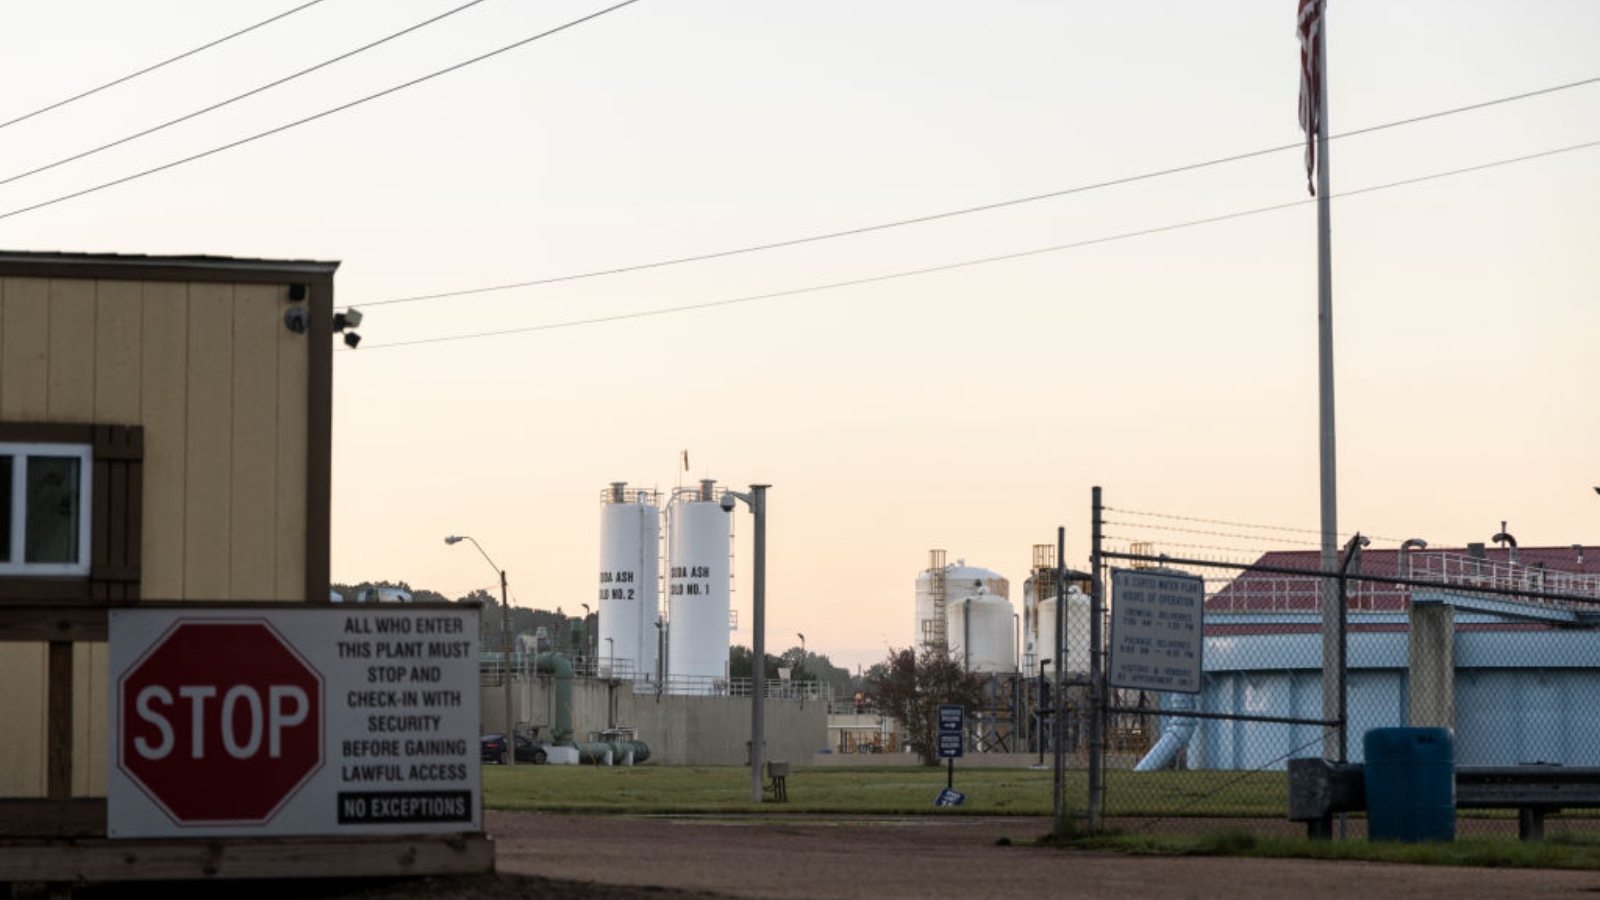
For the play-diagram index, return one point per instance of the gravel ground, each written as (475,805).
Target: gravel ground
(928,858)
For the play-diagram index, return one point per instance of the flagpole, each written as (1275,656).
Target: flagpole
(1332,702)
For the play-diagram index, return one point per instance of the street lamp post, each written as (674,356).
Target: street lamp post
(588,647)
(505,645)
(757,501)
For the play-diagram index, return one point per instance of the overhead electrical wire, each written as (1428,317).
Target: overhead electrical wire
(148,69)
(321,115)
(237,97)
(927,270)
(987,207)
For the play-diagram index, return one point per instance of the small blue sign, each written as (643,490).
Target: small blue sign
(950,745)
(950,717)
(950,797)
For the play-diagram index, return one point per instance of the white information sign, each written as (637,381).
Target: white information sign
(1157,631)
(287,721)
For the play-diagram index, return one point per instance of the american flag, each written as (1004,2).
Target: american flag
(1310,29)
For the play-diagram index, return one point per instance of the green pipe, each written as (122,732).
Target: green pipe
(558,665)
(592,752)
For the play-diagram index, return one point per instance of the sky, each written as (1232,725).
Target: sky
(970,409)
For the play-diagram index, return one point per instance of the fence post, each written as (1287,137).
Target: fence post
(1097,692)
(1058,805)
(1352,553)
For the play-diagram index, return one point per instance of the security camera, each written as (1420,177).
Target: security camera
(350,318)
(295,319)
(728,502)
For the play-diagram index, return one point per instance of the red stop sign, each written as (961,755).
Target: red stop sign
(221,722)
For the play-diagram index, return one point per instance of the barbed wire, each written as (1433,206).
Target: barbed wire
(1232,559)
(1231,524)
(1243,537)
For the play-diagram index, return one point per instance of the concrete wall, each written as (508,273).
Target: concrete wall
(681,731)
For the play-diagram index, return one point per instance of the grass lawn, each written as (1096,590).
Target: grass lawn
(865,790)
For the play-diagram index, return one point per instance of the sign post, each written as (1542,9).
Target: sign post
(952,733)
(293,720)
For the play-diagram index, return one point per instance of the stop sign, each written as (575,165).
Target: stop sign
(221,722)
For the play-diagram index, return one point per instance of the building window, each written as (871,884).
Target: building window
(44,508)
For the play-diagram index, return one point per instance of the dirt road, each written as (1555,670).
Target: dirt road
(930,858)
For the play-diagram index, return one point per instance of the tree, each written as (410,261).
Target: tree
(739,663)
(912,688)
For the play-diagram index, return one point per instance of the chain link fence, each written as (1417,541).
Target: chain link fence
(1299,657)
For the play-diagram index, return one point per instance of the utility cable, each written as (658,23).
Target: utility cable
(148,69)
(987,207)
(928,270)
(321,115)
(236,98)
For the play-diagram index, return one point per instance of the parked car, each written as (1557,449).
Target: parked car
(529,750)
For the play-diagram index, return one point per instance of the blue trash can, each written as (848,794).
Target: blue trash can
(1411,784)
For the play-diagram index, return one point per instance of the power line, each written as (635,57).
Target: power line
(321,115)
(236,98)
(148,69)
(1021,254)
(987,207)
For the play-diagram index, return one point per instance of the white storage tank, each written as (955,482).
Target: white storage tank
(950,584)
(982,633)
(630,572)
(697,591)
(1043,639)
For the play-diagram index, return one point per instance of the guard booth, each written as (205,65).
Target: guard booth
(165,437)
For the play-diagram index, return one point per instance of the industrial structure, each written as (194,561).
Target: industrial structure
(685,650)
(630,584)
(942,586)
(1511,672)
(699,589)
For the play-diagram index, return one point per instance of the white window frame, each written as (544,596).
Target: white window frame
(14,565)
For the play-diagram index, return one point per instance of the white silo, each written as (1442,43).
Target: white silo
(1039,613)
(982,633)
(697,591)
(940,586)
(630,571)
(1077,637)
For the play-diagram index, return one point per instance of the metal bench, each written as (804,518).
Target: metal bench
(1532,790)
(1319,788)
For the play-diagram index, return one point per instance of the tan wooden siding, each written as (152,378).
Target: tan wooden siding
(118,342)
(208,443)
(253,530)
(24,356)
(163,406)
(24,396)
(118,362)
(220,386)
(71,333)
(293,445)
(22,744)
